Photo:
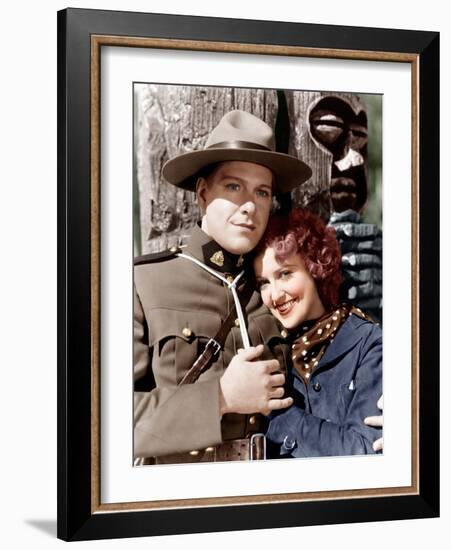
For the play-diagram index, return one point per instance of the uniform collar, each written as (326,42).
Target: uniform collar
(208,251)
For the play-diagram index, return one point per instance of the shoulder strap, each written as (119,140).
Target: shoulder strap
(157,256)
(215,344)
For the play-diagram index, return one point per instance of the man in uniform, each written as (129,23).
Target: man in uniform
(183,298)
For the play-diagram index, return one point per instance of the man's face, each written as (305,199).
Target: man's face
(236,201)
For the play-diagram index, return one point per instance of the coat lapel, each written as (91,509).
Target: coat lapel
(345,340)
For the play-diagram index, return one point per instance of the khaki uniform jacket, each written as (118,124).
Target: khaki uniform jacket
(178,308)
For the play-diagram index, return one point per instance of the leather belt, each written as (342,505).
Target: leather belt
(253,448)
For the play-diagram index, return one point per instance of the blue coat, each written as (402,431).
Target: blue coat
(326,418)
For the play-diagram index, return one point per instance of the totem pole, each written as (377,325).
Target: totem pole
(330,131)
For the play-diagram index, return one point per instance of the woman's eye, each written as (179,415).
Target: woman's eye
(263,193)
(285,274)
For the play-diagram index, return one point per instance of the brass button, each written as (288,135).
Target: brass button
(187,332)
(284,333)
(237,322)
(252,420)
(194,453)
(229,278)
(209,449)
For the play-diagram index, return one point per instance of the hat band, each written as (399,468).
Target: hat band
(238,145)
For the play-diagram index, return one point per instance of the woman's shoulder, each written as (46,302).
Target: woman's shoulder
(363,325)
(356,337)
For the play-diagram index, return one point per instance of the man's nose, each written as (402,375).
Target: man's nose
(248,207)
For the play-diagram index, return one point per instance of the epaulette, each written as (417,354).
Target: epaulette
(158,256)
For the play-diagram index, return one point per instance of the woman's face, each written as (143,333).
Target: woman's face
(287,289)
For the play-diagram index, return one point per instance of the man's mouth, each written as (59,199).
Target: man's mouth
(286,307)
(247,226)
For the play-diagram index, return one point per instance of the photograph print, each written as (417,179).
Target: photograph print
(257,274)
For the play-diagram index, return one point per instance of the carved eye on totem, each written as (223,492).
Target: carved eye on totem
(335,125)
(344,133)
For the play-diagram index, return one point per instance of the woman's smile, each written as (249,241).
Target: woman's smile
(287,289)
(285,308)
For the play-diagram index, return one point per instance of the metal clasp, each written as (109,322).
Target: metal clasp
(212,343)
(252,443)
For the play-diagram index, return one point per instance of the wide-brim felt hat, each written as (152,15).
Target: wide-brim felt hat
(239,136)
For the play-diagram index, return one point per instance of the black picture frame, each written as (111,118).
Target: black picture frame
(80,516)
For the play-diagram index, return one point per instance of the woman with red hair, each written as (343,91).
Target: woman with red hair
(335,377)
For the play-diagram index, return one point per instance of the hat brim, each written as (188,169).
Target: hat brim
(289,172)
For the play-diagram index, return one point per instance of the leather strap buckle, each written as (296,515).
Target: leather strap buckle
(257,447)
(216,347)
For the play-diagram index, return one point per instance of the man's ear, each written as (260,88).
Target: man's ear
(201,188)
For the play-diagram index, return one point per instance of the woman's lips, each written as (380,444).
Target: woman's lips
(285,308)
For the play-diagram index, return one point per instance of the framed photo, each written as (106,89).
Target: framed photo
(112,67)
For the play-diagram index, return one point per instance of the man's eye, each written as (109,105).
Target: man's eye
(233,186)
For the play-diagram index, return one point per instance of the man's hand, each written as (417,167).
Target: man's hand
(251,386)
(377,422)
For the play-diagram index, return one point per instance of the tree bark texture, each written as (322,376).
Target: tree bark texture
(314,194)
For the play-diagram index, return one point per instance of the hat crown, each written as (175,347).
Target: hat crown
(242,126)
(242,137)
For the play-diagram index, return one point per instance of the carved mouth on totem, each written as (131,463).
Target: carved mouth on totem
(343,192)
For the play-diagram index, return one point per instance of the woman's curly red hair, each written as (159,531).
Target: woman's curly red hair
(301,232)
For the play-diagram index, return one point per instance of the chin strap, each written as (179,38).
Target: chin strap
(232,287)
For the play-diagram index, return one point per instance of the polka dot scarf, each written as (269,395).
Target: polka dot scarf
(312,338)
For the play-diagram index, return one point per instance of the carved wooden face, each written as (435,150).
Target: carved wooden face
(342,129)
